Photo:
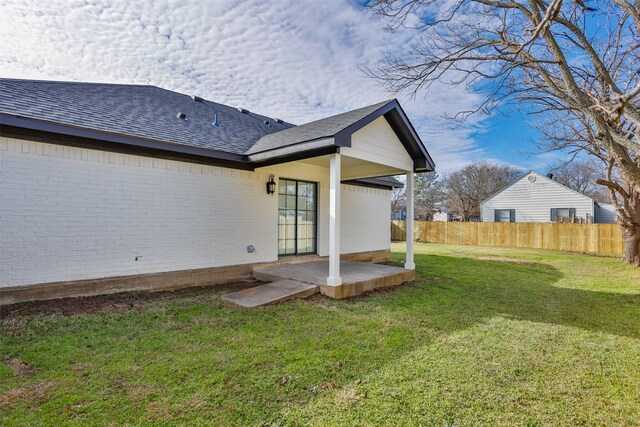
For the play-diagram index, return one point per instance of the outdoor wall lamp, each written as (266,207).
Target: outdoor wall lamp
(271,185)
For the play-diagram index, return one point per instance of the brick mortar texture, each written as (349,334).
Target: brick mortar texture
(69,213)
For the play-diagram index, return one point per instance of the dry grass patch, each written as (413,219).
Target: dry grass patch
(20,368)
(34,393)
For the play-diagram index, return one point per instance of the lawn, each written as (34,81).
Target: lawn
(485,336)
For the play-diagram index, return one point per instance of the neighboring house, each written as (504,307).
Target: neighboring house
(108,186)
(537,198)
(605,213)
(399,215)
(443,215)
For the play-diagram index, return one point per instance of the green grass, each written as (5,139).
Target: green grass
(553,339)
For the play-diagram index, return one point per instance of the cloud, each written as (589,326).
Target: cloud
(297,60)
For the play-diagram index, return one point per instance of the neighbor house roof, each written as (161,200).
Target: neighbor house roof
(148,117)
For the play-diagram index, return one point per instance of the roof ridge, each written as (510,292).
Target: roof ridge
(380,104)
(77,82)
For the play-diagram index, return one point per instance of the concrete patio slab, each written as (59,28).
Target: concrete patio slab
(279,290)
(357,277)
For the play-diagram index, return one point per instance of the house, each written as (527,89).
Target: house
(399,215)
(109,187)
(538,198)
(443,215)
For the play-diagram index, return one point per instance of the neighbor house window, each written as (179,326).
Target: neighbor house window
(559,213)
(505,215)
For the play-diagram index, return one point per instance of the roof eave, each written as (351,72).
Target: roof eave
(375,183)
(291,150)
(422,159)
(296,155)
(128,141)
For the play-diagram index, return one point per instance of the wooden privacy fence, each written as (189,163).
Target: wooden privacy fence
(605,239)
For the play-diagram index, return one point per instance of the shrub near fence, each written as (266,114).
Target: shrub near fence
(604,239)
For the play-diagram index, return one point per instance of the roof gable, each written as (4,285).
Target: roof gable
(337,131)
(327,127)
(378,143)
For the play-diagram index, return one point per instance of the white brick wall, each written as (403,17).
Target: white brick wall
(69,213)
(365,219)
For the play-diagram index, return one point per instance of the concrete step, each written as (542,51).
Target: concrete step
(266,275)
(280,290)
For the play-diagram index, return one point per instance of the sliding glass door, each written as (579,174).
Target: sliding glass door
(297,216)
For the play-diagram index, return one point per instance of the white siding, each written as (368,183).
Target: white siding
(442,216)
(533,201)
(69,213)
(378,143)
(605,214)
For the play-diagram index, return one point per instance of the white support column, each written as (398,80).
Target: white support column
(409,263)
(334,278)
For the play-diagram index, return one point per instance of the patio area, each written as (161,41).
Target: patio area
(302,280)
(357,277)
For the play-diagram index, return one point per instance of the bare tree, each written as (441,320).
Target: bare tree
(581,175)
(429,194)
(398,202)
(576,63)
(469,186)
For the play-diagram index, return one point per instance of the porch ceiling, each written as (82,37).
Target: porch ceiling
(353,168)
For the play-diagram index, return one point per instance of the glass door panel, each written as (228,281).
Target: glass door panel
(297,202)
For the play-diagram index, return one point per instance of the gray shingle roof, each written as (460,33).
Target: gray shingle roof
(318,129)
(140,111)
(148,117)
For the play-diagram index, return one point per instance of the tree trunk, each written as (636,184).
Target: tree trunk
(629,219)
(631,245)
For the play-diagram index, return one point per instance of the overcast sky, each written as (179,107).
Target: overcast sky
(295,59)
